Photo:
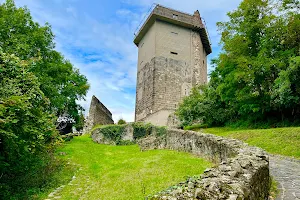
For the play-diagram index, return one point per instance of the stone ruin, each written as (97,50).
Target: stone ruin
(241,171)
(98,115)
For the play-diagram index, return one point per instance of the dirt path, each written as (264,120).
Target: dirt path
(286,172)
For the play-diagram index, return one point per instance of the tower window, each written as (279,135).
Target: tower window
(175,16)
(175,53)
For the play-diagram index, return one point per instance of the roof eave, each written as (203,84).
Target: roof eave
(153,17)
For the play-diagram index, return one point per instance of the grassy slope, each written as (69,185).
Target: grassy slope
(124,172)
(283,141)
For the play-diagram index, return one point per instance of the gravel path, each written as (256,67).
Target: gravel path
(286,172)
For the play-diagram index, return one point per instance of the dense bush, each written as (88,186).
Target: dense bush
(256,77)
(141,129)
(36,86)
(27,133)
(116,132)
(121,121)
(113,132)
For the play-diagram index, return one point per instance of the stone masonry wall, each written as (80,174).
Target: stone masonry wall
(172,59)
(98,114)
(199,61)
(242,171)
(161,85)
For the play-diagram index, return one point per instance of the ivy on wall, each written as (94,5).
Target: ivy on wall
(115,133)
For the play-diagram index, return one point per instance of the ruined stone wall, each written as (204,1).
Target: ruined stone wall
(98,114)
(242,172)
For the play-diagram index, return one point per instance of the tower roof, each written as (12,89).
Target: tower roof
(182,19)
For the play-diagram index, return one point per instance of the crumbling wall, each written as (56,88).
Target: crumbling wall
(98,114)
(241,173)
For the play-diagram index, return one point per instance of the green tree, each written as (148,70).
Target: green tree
(121,121)
(256,75)
(27,132)
(60,82)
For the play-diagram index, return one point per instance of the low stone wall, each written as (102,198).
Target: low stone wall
(242,171)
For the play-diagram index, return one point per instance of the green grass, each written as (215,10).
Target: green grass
(124,172)
(283,141)
(274,191)
(195,126)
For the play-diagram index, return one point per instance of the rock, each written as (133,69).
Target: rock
(190,185)
(233,197)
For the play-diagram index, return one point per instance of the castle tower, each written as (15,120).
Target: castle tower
(172,51)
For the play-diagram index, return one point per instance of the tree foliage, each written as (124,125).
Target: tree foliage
(60,82)
(121,121)
(36,86)
(27,132)
(256,75)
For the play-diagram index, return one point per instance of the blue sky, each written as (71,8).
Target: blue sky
(97,37)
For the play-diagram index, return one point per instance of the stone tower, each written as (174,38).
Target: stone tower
(172,51)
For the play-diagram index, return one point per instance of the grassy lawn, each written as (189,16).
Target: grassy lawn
(124,172)
(283,141)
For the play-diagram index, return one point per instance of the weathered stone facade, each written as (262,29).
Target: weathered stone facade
(98,114)
(241,173)
(162,83)
(173,47)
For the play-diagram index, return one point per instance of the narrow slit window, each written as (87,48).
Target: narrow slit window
(174,33)
(175,53)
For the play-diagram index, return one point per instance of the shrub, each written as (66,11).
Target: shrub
(113,132)
(160,130)
(27,133)
(121,122)
(141,129)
